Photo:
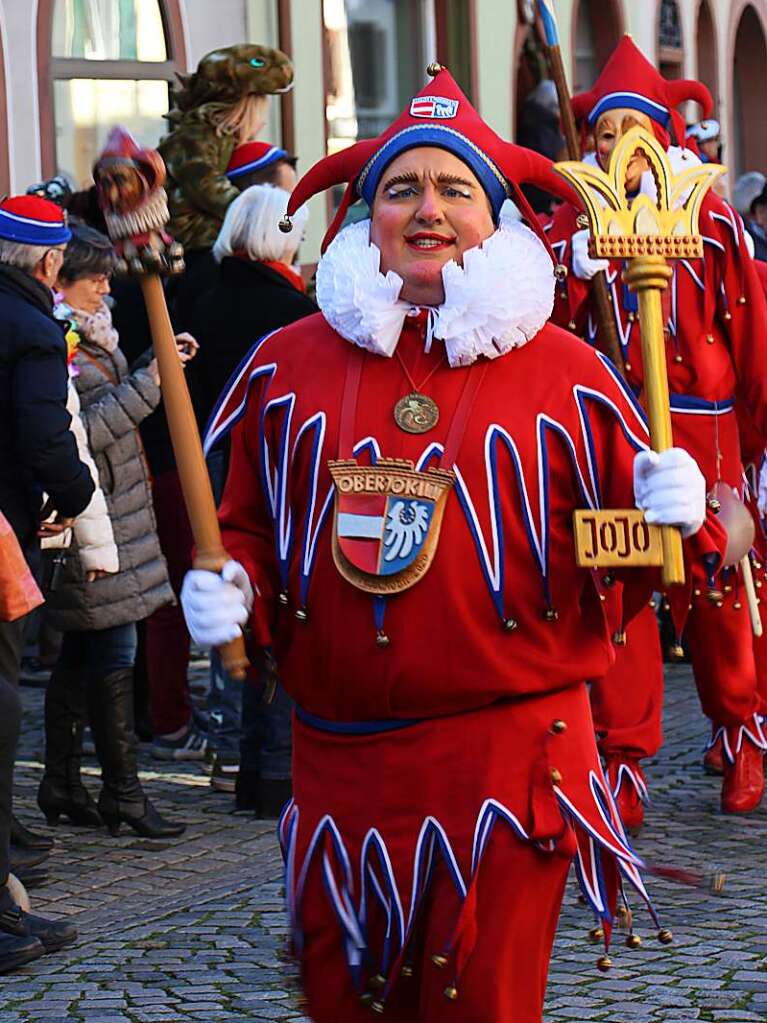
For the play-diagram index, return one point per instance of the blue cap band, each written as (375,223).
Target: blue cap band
(632,101)
(272,156)
(32,232)
(442,137)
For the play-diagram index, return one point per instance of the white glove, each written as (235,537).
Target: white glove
(670,489)
(583,265)
(761,499)
(216,606)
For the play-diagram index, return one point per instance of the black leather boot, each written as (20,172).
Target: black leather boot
(122,799)
(61,791)
(23,838)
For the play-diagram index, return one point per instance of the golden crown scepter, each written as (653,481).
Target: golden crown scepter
(129,182)
(646,232)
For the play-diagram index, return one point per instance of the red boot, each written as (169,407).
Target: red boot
(713,758)
(743,785)
(629,788)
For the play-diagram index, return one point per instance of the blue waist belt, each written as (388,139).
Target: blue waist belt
(692,405)
(355,727)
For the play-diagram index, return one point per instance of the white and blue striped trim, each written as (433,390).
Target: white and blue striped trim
(690,405)
(632,101)
(28,231)
(272,155)
(549,21)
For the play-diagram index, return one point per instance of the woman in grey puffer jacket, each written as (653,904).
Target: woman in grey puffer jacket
(97,612)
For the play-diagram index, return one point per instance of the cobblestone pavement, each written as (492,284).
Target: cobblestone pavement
(193,929)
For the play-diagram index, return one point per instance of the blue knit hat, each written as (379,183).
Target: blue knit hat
(33,221)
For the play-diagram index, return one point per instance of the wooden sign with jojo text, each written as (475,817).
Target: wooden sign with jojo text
(615,538)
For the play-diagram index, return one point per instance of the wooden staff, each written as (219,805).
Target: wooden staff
(607,336)
(751,598)
(129,181)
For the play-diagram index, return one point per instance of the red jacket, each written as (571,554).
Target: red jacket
(552,429)
(715,342)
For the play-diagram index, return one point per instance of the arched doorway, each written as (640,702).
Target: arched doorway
(749,147)
(708,63)
(99,64)
(597,30)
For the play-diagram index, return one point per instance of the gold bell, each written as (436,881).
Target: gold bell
(558,726)
(582,220)
(560,272)
(677,358)
(556,776)
(510,624)
(633,941)
(608,579)
(728,315)
(378,982)
(710,338)
(366,999)
(439,961)
(628,367)
(434,69)
(596,934)
(737,605)
(302,614)
(742,300)
(632,317)
(715,597)
(619,638)
(377,1006)
(604,963)
(676,651)
(572,325)
(283,597)
(406,971)
(665,936)
(625,918)
(286,224)
(727,588)
(716,883)
(652,605)
(451,993)
(551,615)
(382,639)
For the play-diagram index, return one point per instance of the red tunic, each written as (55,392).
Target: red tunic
(486,651)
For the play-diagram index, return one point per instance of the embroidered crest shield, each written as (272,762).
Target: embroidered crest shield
(386,522)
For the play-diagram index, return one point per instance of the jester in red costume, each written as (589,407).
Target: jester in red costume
(404,470)
(715,323)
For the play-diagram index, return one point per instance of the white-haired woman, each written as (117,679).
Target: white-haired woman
(257,291)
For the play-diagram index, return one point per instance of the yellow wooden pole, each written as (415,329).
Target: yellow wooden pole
(648,276)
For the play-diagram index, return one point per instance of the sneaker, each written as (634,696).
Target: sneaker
(224,775)
(34,673)
(191,746)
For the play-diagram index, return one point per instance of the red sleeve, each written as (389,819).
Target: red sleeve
(743,308)
(246,522)
(571,301)
(614,450)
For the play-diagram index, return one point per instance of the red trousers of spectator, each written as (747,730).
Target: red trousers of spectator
(167,637)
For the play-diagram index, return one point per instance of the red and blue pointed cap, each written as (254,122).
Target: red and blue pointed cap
(253,156)
(440,116)
(628,80)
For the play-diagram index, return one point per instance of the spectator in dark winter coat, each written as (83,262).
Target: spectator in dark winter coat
(256,292)
(38,454)
(98,616)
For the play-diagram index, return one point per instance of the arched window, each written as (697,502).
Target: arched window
(670,50)
(749,119)
(109,62)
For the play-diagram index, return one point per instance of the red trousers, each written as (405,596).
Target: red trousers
(450,837)
(505,979)
(167,638)
(627,703)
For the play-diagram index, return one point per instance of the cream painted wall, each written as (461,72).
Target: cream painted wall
(496,22)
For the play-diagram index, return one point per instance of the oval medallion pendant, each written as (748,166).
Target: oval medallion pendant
(415,413)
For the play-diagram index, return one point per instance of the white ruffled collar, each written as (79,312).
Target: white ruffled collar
(498,300)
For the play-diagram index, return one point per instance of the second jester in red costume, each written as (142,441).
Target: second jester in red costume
(716,324)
